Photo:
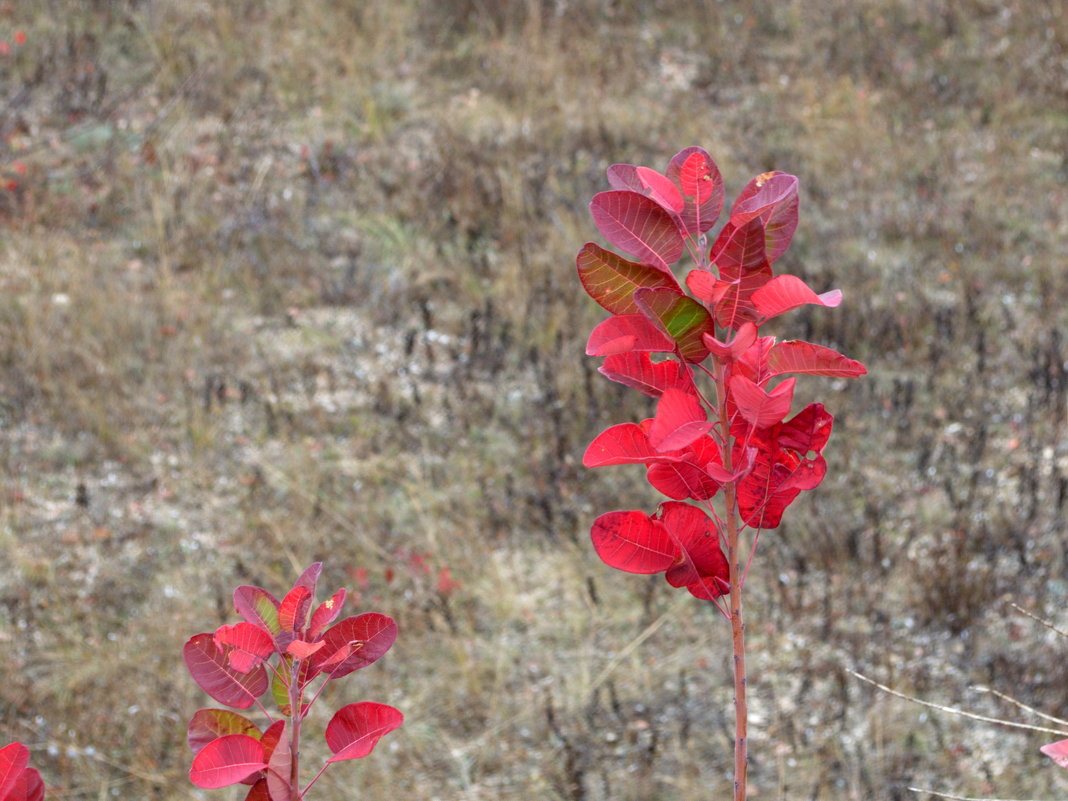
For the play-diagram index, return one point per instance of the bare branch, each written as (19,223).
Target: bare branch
(961,712)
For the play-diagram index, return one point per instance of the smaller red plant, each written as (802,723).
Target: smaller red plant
(18,781)
(234,666)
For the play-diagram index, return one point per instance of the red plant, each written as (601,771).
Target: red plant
(720,428)
(234,666)
(18,781)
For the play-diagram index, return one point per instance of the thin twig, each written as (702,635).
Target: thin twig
(958,797)
(961,712)
(1019,704)
(1038,619)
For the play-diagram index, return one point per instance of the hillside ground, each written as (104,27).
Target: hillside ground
(288,281)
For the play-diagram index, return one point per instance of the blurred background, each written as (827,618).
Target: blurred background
(291,280)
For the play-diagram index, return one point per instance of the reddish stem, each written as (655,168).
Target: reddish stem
(296,716)
(741,743)
(315,778)
(741,717)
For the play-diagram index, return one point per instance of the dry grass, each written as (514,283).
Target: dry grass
(287,281)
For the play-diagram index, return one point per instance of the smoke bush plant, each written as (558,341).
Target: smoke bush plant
(720,430)
(281,648)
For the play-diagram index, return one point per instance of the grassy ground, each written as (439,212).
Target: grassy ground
(284,281)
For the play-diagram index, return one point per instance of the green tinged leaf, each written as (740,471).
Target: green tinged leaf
(280,685)
(680,317)
(211,724)
(258,607)
(611,280)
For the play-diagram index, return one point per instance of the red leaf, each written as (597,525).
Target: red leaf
(753,364)
(623,443)
(680,419)
(258,792)
(701,564)
(310,577)
(739,254)
(226,761)
(638,371)
(680,317)
(795,356)
(293,611)
(209,666)
(692,476)
(739,249)
(808,475)
(258,607)
(14,759)
(787,462)
(706,287)
(339,656)
(611,280)
(761,498)
(638,225)
(249,645)
(271,737)
(1057,751)
(374,633)
(446,584)
(279,768)
(624,333)
(326,613)
(733,349)
(27,787)
(211,724)
(681,480)
(633,542)
(771,199)
(758,407)
(30,787)
(660,189)
(785,292)
(355,729)
(702,188)
(624,177)
(644,181)
(301,649)
(807,431)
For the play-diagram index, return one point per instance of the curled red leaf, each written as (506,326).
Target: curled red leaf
(786,292)
(227,760)
(355,729)
(624,333)
(680,419)
(249,645)
(638,371)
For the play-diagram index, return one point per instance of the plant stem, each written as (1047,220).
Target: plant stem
(741,713)
(296,701)
(741,742)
